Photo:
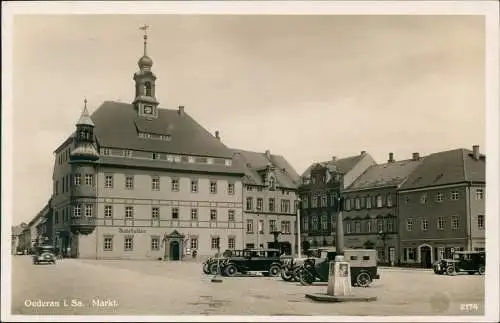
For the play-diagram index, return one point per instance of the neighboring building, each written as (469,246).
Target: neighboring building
(269,201)
(441,206)
(322,184)
(139,181)
(370,208)
(16,233)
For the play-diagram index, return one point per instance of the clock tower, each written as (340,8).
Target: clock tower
(145,100)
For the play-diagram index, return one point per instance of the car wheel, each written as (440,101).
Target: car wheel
(274,270)
(214,269)
(363,279)
(231,270)
(305,278)
(286,274)
(206,270)
(481,270)
(296,274)
(450,270)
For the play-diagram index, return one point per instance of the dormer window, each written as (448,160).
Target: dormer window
(127,153)
(272,184)
(156,156)
(147,89)
(228,162)
(105,151)
(191,159)
(210,160)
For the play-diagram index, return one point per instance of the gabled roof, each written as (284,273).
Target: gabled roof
(447,167)
(256,162)
(342,165)
(117,125)
(384,175)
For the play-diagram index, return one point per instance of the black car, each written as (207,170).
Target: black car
(462,261)
(44,254)
(267,261)
(210,266)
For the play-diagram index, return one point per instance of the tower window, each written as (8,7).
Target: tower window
(147,88)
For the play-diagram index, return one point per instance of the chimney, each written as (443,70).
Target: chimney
(475,151)
(181,110)
(268,154)
(217,134)
(363,152)
(334,159)
(391,158)
(415,156)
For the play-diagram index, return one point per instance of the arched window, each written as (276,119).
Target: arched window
(147,88)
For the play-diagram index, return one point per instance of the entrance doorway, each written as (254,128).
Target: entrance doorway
(174,250)
(425,256)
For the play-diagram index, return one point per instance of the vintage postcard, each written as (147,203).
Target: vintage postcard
(250,161)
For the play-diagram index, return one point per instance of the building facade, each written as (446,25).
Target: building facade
(269,201)
(442,208)
(136,181)
(16,238)
(370,210)
(321,186)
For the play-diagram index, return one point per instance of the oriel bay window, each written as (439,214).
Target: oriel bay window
(88,210)
(77,179)
(77,211)
(89,179)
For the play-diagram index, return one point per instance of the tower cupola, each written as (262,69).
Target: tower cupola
(85,149)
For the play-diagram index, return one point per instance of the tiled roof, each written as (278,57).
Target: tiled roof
(447,167)
(389,174)
(254,162)
(342,165)
(117,125)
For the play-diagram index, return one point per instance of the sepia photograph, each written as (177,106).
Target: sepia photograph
(236,161)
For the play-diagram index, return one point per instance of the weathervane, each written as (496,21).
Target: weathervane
(145,29)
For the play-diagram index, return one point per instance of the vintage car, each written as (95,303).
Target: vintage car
(462,261)
(210,266)
(44,254)
(266,261)
(363,266)
(291,267)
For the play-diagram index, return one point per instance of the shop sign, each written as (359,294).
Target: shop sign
(131,230)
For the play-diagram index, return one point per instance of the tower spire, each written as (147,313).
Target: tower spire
(145,29)
(85,116)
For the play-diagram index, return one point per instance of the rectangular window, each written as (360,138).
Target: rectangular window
(409,225)
(213,215)
(260,203)
(155,214)
(324,199)
(315,223)
(194,243)
(285,206)
(127,153)
(389,200)
(228,162)
(454,222)
(454,195)
(423,198)
(77,179)
(368,202)
(155,243)
(129,182)
(175,213)
(175,185)
(324,222)
(439,197)
(88,210)
(231,243)
(155,183)
(389,225)
(194,186)
(348,227)
(271,205)
(272,225)
(108,243)
(230,189)
(108,211)
(440,223)
(129,212)
(249,203)
(77,211)
(357,227)
(379,201)
(285,227)
(214,243)
(194,214)
(213,187)
(380,225)
(357,203)
(480,222)
(230,216)
(108,181)
(479,193)
(305,224)
(128,244)
(369,226)
(89,179)
(249,226)
(191,159)
(156,156)
(261,226)
(105,151)
(425,224)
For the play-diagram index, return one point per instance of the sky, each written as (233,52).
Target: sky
(304,87)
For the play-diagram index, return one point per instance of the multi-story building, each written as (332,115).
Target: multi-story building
(139,181)
(370,208)
(441,206)
(321,186)
(269,201)
(16,234)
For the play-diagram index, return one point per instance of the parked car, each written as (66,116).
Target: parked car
(44,254)
(267,261)
(363,267)
(210,266)
(462,261)
(291,267)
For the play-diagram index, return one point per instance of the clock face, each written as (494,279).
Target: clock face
(148,109)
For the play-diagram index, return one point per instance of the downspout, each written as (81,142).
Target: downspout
(469,216)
